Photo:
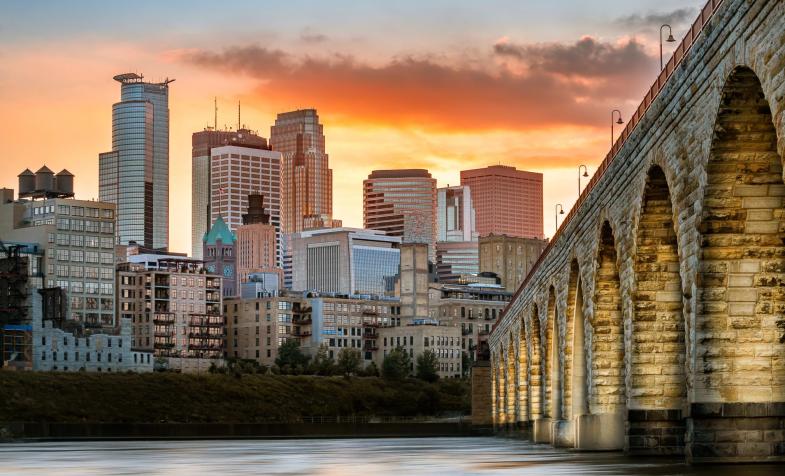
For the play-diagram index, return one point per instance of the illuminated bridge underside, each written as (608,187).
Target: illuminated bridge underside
(655,321)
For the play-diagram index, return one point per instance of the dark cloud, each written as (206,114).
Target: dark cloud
(572,84)
(654,20)
(586,58)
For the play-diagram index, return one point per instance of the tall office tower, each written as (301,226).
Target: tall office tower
(256,250)
(202,143)
(506,201)
(135,174)
(457,254)
(306,177)
(237,172)
(402,203)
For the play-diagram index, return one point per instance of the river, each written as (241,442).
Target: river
(384,456)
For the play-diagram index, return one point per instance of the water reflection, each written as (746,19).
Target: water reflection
(388,456)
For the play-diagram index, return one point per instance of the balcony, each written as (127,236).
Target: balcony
(163,319)
(204,335)
(206,320)
(163,334)
(302,320)
(301,333)
(163,345)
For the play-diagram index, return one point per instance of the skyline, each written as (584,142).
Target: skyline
(361,86)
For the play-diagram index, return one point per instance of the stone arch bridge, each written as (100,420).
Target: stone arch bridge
(654,322)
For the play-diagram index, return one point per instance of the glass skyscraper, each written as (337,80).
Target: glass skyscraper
(135,174)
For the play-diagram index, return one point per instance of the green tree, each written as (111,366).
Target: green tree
(396,364)
(370,370)
(322,363)
(290,359)
(428,366)
(349,361)
(466,364)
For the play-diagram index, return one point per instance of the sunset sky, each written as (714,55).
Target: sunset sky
(442,85)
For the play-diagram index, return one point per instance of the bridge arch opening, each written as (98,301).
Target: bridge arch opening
(502,387)
(741,307)
(512,382)
(607,345)
(574,374)
(523,376)
(551,362)
(535,367)
(658,379)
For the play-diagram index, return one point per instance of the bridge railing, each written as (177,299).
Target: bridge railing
(679,54)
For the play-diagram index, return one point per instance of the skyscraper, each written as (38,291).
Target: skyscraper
(202,143)
(306,177)
(237,172)
(401,203)
(507,201)
(135,174)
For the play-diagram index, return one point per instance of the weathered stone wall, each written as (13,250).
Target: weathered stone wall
(669,282)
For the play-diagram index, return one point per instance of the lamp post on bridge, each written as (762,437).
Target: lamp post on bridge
(619,121)
(670,39)
(559,210)
(585,174)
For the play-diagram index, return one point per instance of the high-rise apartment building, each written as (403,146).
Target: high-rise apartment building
(510,257)
(76,236)
(135,174)
(237,172)
(401,203)
(306,177)
(506,200)
(256,250)
(345,260)
(202,144)
(175,310)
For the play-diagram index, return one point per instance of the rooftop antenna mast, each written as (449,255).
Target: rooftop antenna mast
(238,115)
(215,105)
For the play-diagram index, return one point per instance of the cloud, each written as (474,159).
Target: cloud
(311,37)
(587,58)
(560,84)
(656,19)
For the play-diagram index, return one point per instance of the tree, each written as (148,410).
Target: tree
(396,364)
(349,361)
(370,370)
(466,364)
(290,359)
(428,366)
(322,363)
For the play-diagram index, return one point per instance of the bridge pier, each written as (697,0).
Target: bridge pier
(600,432)
(736,432)
(542,430)
(563,434)
(655,432)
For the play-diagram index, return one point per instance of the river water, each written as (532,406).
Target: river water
(384,456)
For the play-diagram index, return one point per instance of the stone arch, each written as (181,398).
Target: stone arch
(573,314)
(607,343)
(535,366)
(502,386)
(657,379)
(524,390)
(512,382)
(742,272)
(551,366)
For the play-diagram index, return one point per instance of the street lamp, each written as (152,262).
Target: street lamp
(585,174)
(559,211)
(670,39)
(619,121)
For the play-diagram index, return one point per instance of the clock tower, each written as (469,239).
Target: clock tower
(219,247)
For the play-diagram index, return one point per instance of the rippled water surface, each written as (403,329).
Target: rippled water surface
(387,456)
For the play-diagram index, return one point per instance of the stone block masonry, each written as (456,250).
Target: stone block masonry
(657,313)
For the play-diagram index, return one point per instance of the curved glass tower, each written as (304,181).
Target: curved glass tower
(135,174)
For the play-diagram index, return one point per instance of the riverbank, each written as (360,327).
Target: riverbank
(57,398)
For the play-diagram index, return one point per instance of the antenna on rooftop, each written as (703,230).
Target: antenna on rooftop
(238,115)
(215,104)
